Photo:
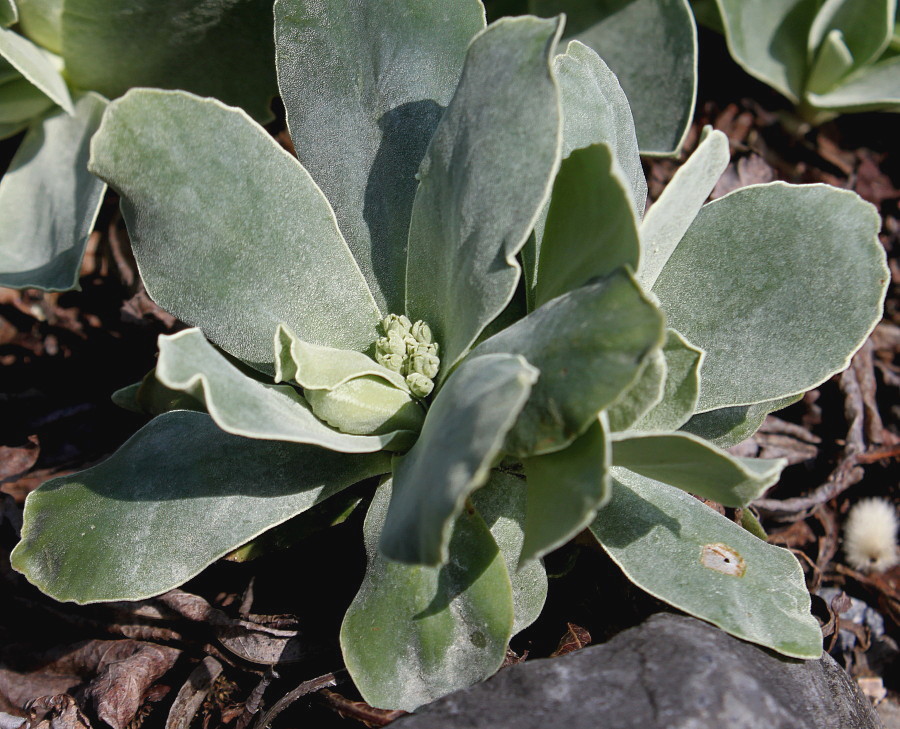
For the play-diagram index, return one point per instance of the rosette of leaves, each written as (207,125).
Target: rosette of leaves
(651,46)
(59,62)
(467,208)
(828,58)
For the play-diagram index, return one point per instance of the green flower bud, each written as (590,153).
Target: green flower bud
(425,364)
(409,350)
(411,345)
(422,332)
(396,324)
(393,362)
(419,384)
(396,344)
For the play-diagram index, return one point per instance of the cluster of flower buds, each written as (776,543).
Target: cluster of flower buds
(409,349)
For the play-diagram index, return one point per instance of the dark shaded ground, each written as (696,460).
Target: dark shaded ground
(61,355)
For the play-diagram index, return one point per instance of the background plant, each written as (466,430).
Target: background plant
(457,181)
(828,58)
(56,73)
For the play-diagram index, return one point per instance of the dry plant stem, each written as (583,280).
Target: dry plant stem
(304,689)
(255,699)
(858,386)
(884,587)
(828,543)
(359,710)
(120,248)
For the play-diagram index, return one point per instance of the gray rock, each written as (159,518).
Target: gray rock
(671,672)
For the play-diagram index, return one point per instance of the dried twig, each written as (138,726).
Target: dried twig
(360,710)
(254,701)
(304,689)
(858,385)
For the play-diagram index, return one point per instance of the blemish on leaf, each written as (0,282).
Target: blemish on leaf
(722,558)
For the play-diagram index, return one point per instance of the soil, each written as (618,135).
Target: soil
(62,355)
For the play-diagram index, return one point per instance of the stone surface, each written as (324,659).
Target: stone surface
(671,672)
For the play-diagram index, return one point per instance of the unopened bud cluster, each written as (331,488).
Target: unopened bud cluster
(409,349)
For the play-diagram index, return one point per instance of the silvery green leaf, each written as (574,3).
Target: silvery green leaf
(768,38)
(693,464)
(591,228)
(871,88)
(671,215)
(9,15)
(244,406)
(682,385)
(367,405)
(365,85)
(220,48)
(49,201)
(8,72)
(779,285)
(413,633)
(258,217)
(21,102)
(607,327)
(128,529)
(651,45)
(832,62)
(324,368)
(641,396)
(151,397)
(40,67)
(565,489)
(41,20)
(462,435)
(501,502)
(682,552)
(10,130)
(865,27)
(483,182)
(726,427)
(596,110)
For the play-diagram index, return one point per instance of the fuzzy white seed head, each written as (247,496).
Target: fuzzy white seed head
(870,535)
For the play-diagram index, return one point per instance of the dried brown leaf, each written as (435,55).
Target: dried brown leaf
(194,692)
(128,670)
(796,536)
(575,639)
(254,642)
(16,460)
(56,712)
(359,710)
(750,170)
(871,183)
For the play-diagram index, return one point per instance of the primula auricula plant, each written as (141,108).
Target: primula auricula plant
(456,290)
(827,56)
(59,62)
